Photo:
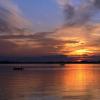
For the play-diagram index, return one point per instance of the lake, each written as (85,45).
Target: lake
(50,82)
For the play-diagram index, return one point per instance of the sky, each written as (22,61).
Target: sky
(44,14)
(49,27)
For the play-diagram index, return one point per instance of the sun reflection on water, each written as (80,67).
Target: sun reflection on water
(78,77)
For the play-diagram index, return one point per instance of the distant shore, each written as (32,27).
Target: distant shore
(62,63)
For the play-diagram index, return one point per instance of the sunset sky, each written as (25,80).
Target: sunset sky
(49,27)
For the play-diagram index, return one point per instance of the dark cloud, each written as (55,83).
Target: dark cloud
(69,12)
(44,44)
(12,20)
(39,37)
(97,3)
(81,14)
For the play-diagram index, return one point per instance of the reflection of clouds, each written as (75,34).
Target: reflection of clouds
(70,82)
(21,86)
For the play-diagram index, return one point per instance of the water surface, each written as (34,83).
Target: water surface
(50,82)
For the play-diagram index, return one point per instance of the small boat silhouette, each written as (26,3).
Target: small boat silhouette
(62,64)
(18,68)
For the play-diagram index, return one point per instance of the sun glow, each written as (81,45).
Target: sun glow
(81,52)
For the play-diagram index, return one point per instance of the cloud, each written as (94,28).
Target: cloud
(33,44)
(61,3)
(77,33)
(80,14)
(6,47)
(96,3)
(79,24)
(6,44)
(11,19)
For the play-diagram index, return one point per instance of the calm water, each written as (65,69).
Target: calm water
(50,82)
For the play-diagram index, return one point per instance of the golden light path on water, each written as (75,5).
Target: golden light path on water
(78,77)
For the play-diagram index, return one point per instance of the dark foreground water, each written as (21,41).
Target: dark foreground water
(50,82)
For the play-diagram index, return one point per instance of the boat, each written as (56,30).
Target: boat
(18,68)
